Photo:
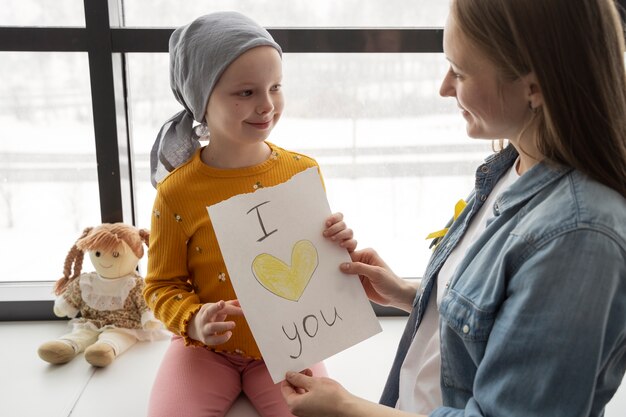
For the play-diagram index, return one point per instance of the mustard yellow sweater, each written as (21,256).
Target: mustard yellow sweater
(185,266)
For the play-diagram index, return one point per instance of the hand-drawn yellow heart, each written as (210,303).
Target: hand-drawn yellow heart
(287,281)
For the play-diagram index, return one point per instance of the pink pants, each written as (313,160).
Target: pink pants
(194,382)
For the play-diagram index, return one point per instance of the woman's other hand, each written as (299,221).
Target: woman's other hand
(308,396)
(381,285)
(313,396)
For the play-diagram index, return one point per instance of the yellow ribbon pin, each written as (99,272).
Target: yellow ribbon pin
(458,208)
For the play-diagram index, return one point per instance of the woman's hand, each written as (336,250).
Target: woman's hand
(337,231)
(313,396)
(208,325)
(381,285)
(308,396)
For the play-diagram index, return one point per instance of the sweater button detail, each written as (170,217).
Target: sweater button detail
(465,329)
(221,277)
(178,218)
(297,157)
(198,249)
(257,185)
(274,155)
(157,213)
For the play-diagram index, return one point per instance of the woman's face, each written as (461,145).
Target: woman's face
(492,107)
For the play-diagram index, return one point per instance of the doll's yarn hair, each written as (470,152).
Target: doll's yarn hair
(106,237)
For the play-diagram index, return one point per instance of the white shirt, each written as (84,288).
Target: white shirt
(420,389)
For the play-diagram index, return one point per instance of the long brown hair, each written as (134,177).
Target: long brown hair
(576,50)
(105,237)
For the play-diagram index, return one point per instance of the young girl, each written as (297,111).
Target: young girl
(226,71)
(521,311)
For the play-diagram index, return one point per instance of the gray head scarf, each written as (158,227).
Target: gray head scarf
(199,54)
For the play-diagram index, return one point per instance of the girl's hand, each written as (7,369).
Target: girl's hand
(381,285)
(208,325)
(313,396)
(337,231)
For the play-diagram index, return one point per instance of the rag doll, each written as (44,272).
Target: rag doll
(112,314)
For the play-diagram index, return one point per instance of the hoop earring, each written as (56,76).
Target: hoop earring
(201,131)
(532,109)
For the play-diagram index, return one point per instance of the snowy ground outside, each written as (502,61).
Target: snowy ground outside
(41,217)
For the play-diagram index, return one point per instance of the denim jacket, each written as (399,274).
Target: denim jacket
(533,322)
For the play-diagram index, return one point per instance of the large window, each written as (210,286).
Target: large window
(48,179)
(294,13)
(85,89)
(394,154)
(42,13)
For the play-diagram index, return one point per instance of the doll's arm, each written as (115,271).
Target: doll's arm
(148,321)
(68,304)
(64,309)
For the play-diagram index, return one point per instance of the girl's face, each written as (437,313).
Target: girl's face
(114,264)
(247,101)
(493,108)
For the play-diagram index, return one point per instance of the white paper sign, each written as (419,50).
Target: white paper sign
(300,307)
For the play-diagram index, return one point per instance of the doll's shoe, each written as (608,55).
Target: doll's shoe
(57,352)
(100,354)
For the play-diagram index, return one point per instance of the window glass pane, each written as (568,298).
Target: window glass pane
(48,181)
(394,155)
(294,13)
(42,13)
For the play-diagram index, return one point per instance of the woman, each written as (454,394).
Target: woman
(522,308)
